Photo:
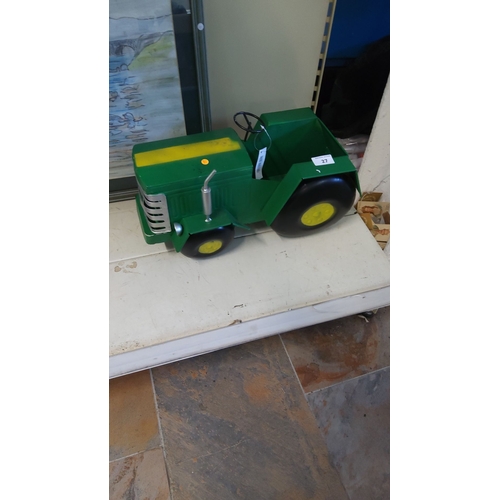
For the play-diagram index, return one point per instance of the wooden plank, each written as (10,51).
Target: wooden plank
(159,296)
(135,360)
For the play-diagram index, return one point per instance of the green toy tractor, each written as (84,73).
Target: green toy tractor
(289,171)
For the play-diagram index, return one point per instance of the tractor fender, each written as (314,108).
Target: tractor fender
(198,224)
(299,172)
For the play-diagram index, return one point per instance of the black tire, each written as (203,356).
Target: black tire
(208,243)
(315,204)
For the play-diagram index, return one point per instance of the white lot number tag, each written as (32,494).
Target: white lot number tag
(323,160)
(260,163)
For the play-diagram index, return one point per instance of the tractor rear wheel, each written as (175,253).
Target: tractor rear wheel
(208,243)
(316,203)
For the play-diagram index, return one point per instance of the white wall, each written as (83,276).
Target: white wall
(374,173)
(262,55)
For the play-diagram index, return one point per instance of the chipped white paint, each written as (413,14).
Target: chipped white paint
(164,306)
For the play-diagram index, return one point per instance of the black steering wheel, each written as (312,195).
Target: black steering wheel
(249,128)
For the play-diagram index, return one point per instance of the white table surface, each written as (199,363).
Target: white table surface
(165,306)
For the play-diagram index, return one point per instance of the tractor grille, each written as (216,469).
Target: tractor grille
(156,211)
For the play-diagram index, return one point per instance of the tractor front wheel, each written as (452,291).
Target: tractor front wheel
(208,243)
(316,203)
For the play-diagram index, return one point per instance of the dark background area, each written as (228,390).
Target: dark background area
(357,66)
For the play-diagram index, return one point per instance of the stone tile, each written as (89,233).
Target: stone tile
(236,424)
(354,417)
(338,350)
(133,423)
(142,476)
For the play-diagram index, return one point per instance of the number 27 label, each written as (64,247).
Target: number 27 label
(323,160)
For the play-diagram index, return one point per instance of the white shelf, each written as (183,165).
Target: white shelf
(165,306)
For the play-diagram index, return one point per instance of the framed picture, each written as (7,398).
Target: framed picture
(158,86)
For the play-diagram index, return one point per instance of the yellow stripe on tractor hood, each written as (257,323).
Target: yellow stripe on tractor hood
(184,152)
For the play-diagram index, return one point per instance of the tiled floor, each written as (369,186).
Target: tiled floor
(303,415)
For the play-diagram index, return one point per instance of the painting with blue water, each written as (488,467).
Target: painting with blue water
(145,101)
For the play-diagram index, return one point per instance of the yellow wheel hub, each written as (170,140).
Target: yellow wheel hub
(210,246)
(317,214)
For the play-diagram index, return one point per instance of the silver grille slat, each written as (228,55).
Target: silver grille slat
(156,211)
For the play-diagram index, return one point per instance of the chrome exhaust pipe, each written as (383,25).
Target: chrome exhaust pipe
(206,194)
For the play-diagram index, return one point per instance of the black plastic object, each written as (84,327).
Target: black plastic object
(337,191)
(208,243)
